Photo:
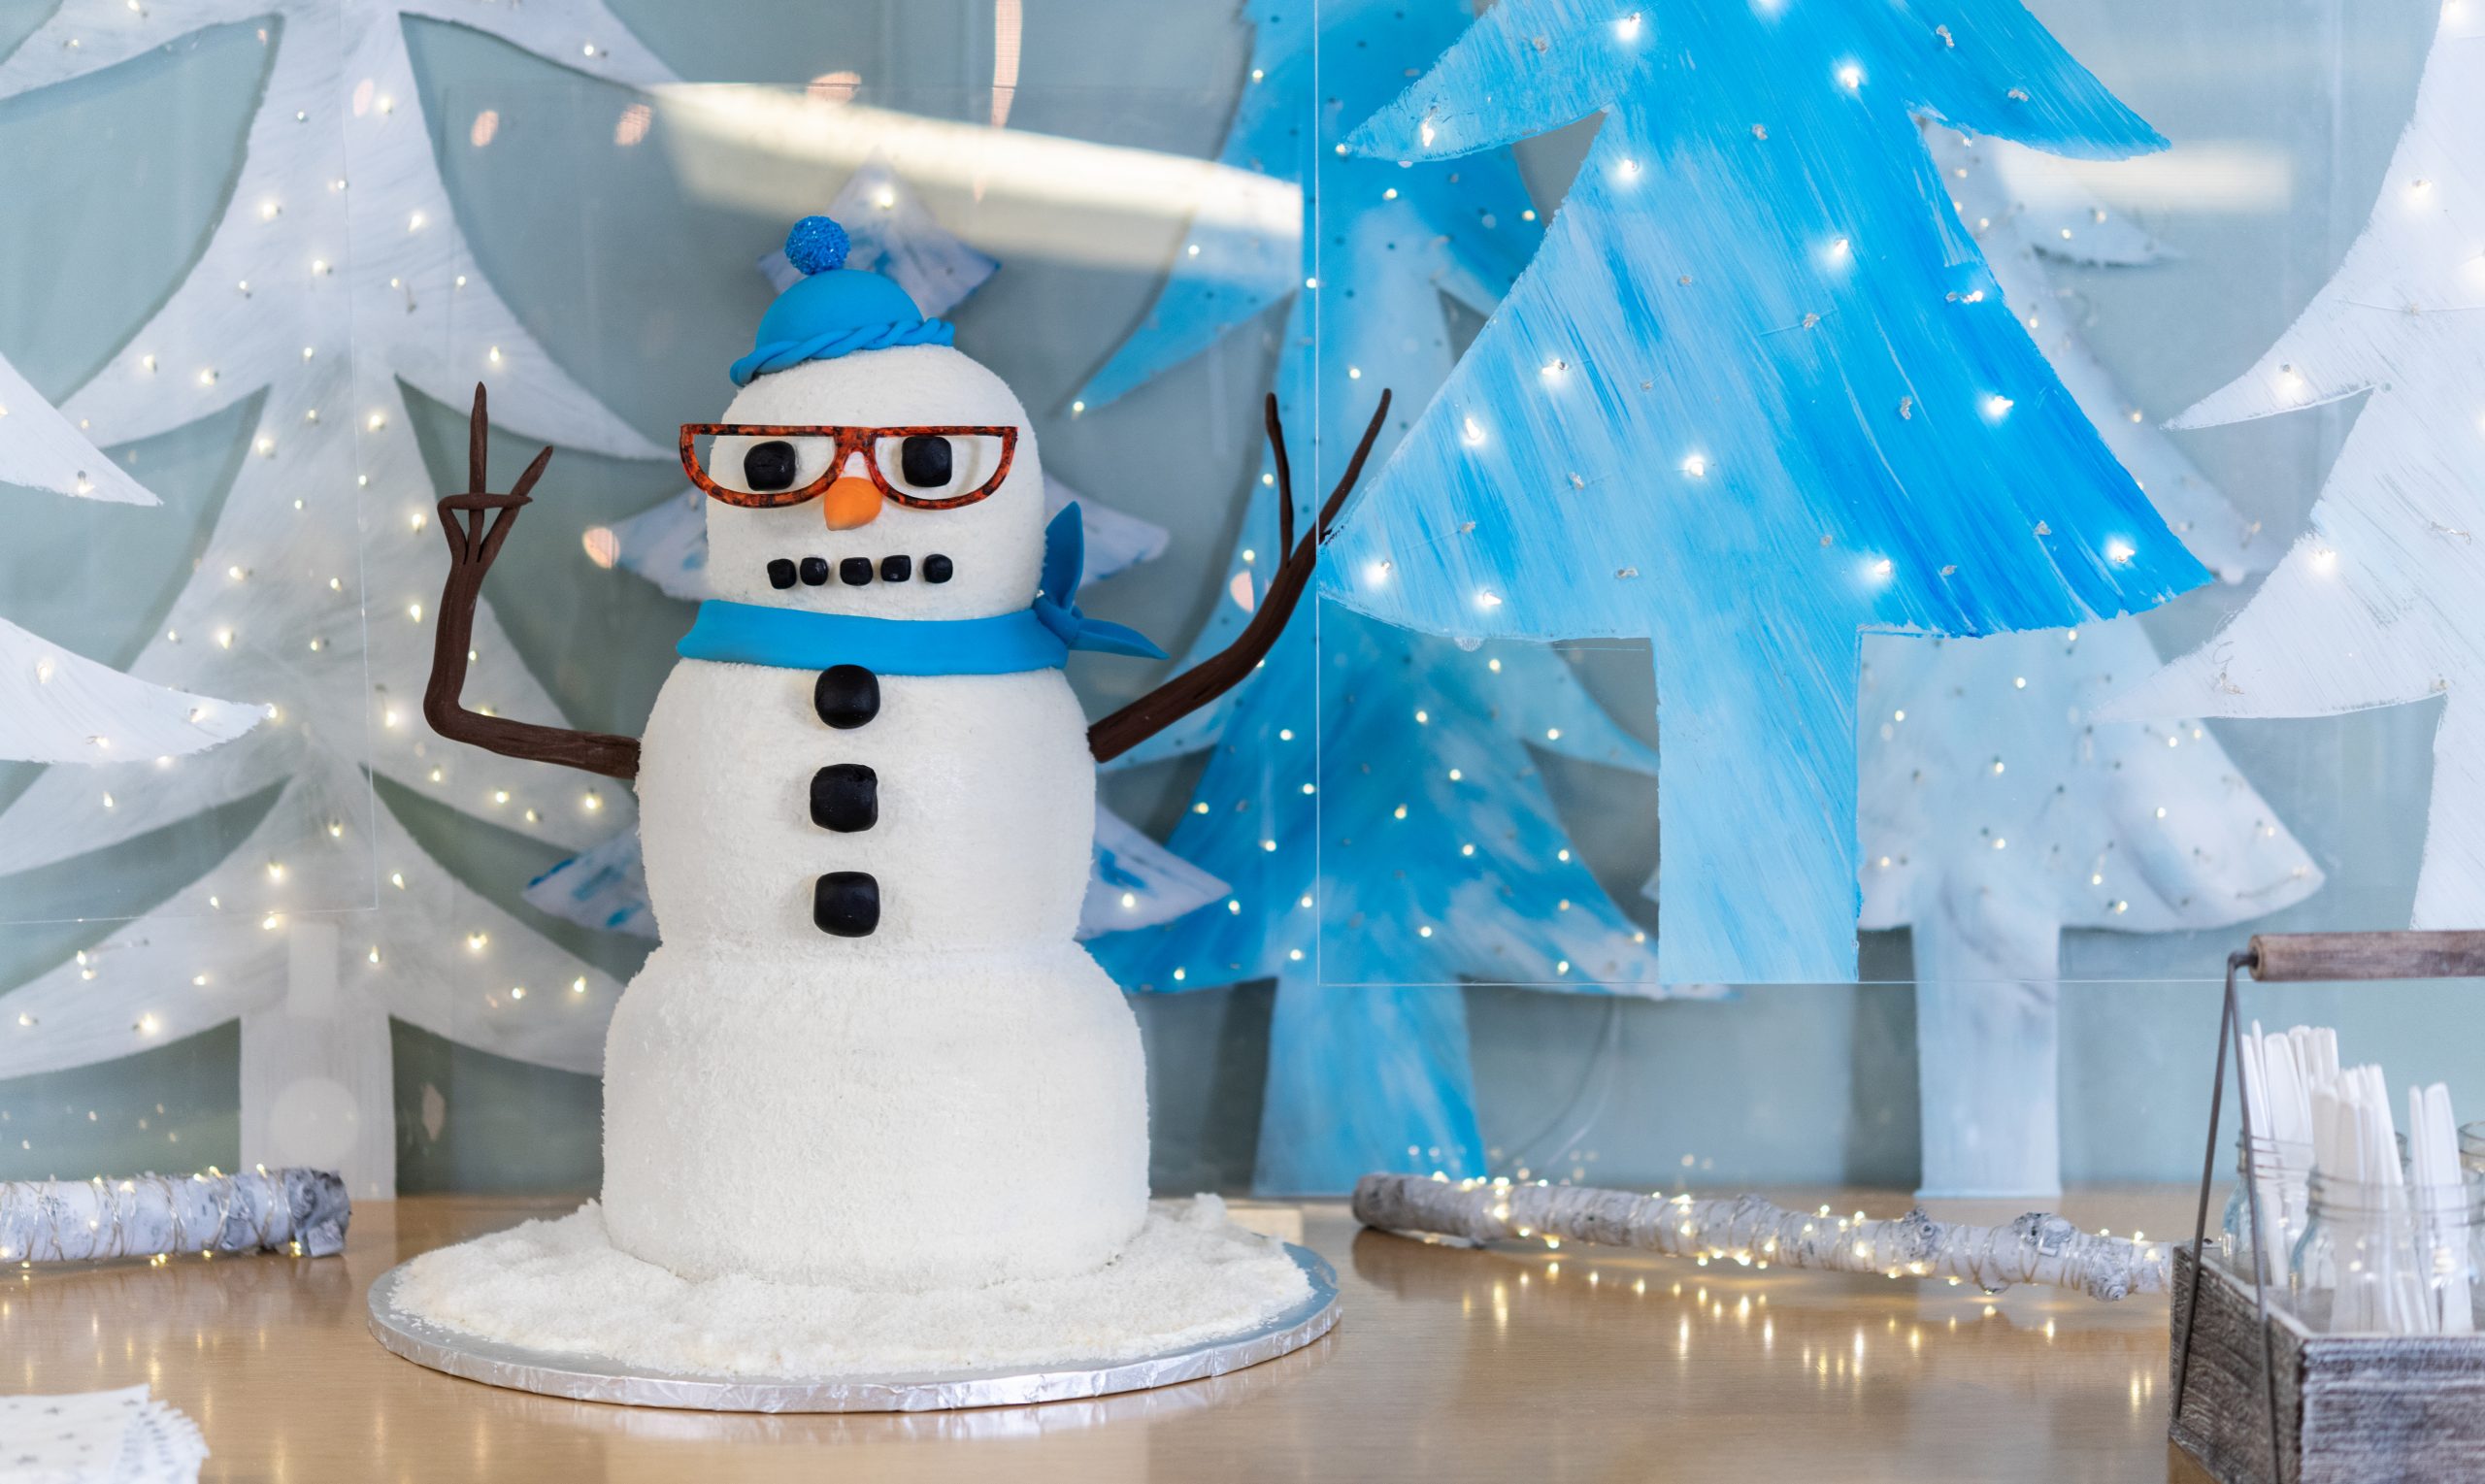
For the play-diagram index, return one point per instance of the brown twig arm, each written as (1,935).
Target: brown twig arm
(476,524)
(1226,669)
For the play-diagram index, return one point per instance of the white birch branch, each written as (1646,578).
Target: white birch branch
(2039,1247)
(300,1211)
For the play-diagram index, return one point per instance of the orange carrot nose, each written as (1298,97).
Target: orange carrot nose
(850,502)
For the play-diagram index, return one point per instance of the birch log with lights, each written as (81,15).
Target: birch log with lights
(2039,1247)
(300,1211)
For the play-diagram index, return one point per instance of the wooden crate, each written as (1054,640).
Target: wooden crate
(2352,1408)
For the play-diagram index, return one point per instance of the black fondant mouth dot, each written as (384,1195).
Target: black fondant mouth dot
(858,571)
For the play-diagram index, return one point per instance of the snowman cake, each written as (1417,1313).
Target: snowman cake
(869,1108)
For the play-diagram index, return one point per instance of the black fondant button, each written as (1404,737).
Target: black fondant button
(814,570)
(896,569)
(781,572)
(845,797)
(846,903)
(855,571)
(847,696)
(936,569)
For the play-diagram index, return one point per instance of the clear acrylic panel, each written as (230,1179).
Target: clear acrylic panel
(1340,897)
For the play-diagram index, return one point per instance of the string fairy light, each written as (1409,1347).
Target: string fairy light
(2037,1248)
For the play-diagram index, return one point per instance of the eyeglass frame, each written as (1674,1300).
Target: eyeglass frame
(850,440)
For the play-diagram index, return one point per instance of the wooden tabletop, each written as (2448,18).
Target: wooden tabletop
(1448,1365)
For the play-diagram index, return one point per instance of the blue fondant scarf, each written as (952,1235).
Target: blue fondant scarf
(1038,636)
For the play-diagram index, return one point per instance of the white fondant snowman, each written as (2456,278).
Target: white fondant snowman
(868,1051)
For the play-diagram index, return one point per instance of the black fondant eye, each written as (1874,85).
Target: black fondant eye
(769,465)
(924,464)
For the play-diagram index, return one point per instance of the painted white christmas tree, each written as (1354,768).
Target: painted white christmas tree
(337,236)
(2377,602)
(59,707)
(1998,810)
(1995,811)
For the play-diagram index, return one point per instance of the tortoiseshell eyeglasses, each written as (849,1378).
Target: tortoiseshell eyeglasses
(764,466)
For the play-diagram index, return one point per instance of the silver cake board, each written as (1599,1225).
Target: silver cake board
(587,1377)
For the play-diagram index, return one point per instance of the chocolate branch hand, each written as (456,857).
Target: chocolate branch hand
(1221,672)
(475,524)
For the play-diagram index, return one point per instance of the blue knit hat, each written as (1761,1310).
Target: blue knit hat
(832,310)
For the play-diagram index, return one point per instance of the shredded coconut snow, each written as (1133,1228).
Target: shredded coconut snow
(1189,1276)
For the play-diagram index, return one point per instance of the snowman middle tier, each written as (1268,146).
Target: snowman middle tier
(982,788)
(953,1098)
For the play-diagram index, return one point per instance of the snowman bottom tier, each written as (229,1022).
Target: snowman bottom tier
(897,1123)
(560,1287)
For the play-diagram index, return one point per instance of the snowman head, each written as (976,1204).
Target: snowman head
(866,467)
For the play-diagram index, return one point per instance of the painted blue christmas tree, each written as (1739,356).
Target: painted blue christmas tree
(1371,800)
(1757,394)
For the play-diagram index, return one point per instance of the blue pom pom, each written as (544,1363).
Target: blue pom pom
(816,244)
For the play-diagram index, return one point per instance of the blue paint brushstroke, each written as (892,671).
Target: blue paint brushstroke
(1403,1050)
(1415,878)
(1757,393)
(603,886)
(1430,855)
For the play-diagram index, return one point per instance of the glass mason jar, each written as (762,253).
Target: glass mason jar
(2281,1168)
(2390,1259)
